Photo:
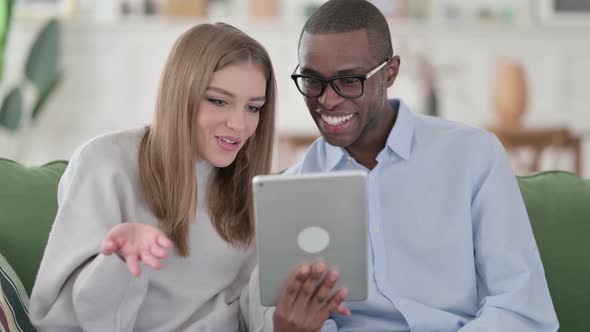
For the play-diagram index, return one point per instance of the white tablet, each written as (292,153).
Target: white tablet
(301,218)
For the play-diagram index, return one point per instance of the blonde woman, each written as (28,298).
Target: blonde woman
(182,182)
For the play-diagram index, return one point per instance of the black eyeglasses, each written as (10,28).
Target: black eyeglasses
(348,86)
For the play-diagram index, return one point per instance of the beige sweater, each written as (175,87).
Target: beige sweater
(79,289)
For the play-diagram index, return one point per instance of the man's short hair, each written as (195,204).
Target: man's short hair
(337,16)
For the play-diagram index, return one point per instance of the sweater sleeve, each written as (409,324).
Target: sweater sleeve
(253,315)
(77,288)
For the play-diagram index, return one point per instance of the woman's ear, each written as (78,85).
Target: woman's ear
(391,71)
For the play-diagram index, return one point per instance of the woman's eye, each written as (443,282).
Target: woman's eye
(253,108)
(217,102)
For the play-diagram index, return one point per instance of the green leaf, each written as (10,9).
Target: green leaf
(44,95)
(5,13)
(43,62)
(12,109)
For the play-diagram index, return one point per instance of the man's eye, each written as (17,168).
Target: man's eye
(349,81)
(310,81)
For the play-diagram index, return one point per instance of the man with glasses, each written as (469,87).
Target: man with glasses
(451,246)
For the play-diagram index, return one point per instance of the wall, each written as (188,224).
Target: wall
(112,71)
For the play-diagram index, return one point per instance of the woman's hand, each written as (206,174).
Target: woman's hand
(305,302)
(134,242)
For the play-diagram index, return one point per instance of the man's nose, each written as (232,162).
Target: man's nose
(329,98)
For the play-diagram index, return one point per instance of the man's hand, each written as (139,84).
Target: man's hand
(305,302)
(134,242)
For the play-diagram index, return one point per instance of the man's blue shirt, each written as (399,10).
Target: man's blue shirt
(451,246)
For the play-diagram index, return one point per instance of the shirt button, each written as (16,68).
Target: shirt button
(401,304)
(532,247)
(376,229)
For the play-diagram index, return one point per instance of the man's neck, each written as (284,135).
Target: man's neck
(366,150)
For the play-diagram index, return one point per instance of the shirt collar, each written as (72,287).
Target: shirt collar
(401,136)
(333,155)
(399,140)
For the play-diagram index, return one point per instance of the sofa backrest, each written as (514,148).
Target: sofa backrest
(28,204)
(558,204)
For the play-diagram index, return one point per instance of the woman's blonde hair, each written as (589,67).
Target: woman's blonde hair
(167,156)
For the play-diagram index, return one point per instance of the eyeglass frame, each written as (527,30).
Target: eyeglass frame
(325,81)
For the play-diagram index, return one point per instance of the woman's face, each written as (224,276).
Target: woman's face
(229,112)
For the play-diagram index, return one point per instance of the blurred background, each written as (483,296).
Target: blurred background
(74,69)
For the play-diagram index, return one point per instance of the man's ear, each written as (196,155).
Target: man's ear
(391,70)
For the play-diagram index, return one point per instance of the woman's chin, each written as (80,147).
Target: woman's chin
(221,162)
(219,157)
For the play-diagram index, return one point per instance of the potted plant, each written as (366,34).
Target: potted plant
(41,76)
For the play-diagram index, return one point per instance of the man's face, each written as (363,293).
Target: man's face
(344,122)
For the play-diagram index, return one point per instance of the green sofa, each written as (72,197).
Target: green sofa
(558,204)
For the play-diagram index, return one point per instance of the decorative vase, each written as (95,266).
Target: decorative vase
(510,94)
(263,8)
(185,7)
